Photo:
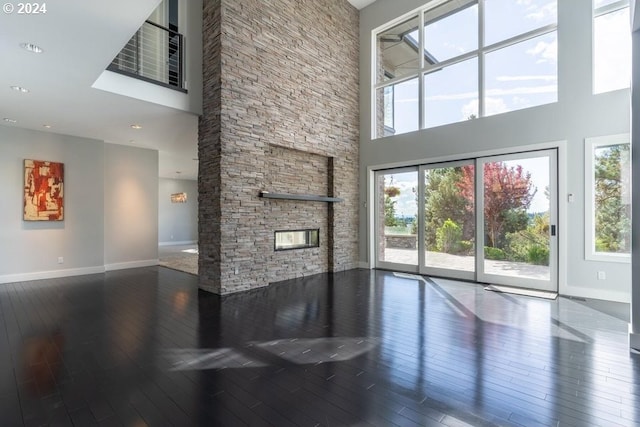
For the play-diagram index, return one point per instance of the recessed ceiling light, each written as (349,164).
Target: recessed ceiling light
(46,126)
(31,47)
(9,120)
(20,89)
(136,127)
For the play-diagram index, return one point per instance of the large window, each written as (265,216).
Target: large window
(611,45)
(446,63)
(608,198)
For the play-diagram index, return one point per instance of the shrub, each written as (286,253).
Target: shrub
(538,255)
(494,253)
(465,247)
(448,237)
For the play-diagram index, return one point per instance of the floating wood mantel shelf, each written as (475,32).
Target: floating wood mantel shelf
(304,197)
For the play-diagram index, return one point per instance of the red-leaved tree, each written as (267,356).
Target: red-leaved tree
(507,190)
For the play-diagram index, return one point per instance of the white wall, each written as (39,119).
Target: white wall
(635,170)
(130,207)
(34,247)
(577,114)
(178,222)
(30,250)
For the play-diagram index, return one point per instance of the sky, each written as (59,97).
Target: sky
(519,76)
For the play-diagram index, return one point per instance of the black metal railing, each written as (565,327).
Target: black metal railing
(154,54)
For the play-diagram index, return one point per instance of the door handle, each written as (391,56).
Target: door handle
(553,230)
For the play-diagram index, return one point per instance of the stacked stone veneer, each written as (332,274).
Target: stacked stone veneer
(280,114)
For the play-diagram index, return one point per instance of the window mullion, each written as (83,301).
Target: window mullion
(421,88)
(481,90)
(613,7)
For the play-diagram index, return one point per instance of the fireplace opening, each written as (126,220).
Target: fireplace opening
(297,239)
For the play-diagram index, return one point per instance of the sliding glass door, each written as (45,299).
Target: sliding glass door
(518,218)
(490,219)
(396,219)
(448,220)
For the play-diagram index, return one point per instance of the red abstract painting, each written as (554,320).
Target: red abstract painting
(43,191)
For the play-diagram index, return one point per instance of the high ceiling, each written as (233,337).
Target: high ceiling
(79,39)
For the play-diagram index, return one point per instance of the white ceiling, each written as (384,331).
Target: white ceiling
(361,3)
(80,38)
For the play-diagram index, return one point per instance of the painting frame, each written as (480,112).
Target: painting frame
(43,190)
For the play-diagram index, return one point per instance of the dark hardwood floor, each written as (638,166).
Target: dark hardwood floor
(145,347)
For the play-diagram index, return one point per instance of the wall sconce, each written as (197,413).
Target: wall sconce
(179,198)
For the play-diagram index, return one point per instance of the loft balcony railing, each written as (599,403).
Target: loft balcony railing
(154,54)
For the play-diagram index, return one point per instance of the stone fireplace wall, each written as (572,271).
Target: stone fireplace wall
(280,115)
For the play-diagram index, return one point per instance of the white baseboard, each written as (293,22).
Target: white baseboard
(176,243)
(54,274)
(364,264)
(602,294)
(131,264)
(634,340)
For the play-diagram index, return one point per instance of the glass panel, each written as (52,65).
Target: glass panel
(297,239)
(612,199)
(611,51)
(516,218)
(451,36)
(449,218)
(397,220)
(397,50)
(509,18)
(451,94)
(522,75)
(398,108)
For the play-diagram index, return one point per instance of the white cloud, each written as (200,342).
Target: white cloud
(548,52)
(470,109)
(542,13)
(497,92)
(523,90)
(491,105)
(546,78)
(453,96)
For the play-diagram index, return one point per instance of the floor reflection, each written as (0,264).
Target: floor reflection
(146,347)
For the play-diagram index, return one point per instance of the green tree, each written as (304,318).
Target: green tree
(444,201)
(508,192)
(612,208)
(448,237)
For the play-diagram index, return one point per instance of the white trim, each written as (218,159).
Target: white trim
(178,243)
(590,144)
(469,155)
(53,274)
(425,69)
(562,218)
(613,7)
(600,294)
(370,206)
(131,264)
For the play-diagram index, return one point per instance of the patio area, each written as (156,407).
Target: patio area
(467,263)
